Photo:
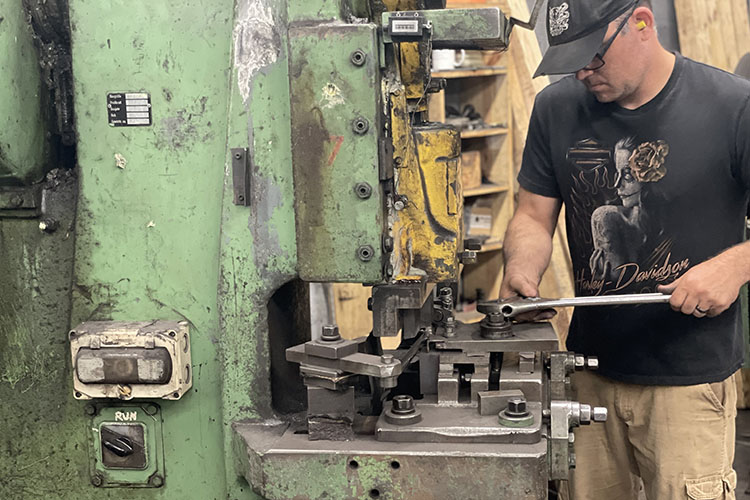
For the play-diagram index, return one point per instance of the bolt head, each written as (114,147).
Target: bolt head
(156,481)
(97,480)
(363,190)
(89,410)
(599,414)
(496,317)
(580,361)
(387,359)
(517,406)
(403,404)
(398,205)
(592,363)
(585,414)
(330,333)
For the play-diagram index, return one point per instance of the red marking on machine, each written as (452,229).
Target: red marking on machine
(337,141)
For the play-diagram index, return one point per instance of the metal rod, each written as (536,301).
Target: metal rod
(520,306)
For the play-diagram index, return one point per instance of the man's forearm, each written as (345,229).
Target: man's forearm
(527,247)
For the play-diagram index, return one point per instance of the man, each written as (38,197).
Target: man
(635,119)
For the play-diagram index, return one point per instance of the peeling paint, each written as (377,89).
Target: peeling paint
(256,42)
(120,161)
(331,96)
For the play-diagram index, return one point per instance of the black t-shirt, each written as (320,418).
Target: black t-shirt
(648,194)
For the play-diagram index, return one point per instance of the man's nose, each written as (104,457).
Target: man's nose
(583,73)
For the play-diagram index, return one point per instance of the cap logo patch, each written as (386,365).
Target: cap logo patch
(558,19)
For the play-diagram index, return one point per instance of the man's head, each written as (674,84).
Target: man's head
(610,47)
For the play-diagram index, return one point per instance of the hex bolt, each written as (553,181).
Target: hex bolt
(517,407)
(330,333)
(388,359)
(495,317)
(89,410)
(403,404)
(363,190)
(97,480)
(358,57)
(469,257)
(360,125)
(599,414)
(585,415)
(48,225)
(580,361)
(450,326)
(592,363)
(365,253)
(156,481)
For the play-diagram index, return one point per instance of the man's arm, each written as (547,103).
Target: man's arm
(527,246)
(709,288)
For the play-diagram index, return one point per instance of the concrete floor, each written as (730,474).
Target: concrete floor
(742,455)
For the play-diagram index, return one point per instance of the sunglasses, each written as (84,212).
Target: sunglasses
(598,61)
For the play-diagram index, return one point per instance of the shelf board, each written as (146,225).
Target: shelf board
(492,245)
(483,132)
(470,72)
(485,188)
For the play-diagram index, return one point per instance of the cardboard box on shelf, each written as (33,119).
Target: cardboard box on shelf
(471,169)
(480,221)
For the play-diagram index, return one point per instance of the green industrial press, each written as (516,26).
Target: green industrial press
(173,175)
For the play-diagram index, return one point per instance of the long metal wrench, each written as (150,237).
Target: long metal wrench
(514,307)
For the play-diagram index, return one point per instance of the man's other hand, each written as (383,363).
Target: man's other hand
(707,289)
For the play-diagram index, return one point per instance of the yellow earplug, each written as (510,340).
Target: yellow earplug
(641,25)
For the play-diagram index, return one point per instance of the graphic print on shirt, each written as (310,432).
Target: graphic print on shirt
(626,245)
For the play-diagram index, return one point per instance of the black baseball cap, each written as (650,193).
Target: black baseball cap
(575,31)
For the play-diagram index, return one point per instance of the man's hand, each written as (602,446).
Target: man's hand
(518,285)
(707,289)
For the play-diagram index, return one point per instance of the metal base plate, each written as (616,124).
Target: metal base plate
(441,424)
(280,464)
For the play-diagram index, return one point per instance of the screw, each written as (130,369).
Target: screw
(48,225)
(89,410)
(237,156)
(599,414)
(363,190)
(387,359)
(398,205)
(388,244)
(151,409)
(360,125)
(16,201)
(156,481)
(358,57)
(365,253)
(125,391)
(97,480)
(398,160)
(450,326)
(330,333)
(516,407)
(403,404)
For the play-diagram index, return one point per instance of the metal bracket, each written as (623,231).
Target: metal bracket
(241,176)
(21,202)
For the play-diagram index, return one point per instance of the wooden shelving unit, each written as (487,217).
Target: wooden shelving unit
(487,90)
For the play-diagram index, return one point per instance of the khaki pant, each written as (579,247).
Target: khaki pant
(679,440)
